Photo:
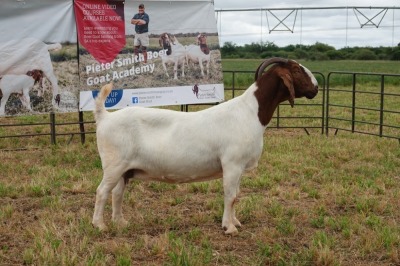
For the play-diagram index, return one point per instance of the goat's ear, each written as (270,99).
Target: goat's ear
(287,80)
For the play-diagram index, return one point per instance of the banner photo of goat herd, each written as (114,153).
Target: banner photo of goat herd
(57,54)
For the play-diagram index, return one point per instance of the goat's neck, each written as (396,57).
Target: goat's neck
(270,92)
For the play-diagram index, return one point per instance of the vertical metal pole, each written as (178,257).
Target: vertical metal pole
(323,103)
(381,106)
(277,116)
(393,31)
(353,111)
(82,127)
(53,128)
(347,22)
(327,105)
(261,27)
(233,84)
(301,27)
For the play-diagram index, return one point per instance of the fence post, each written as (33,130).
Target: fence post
(323,103)
(353,110)
(327,105)
(381,105)
(53,128)
(277,116)
(82,127)
(233,85)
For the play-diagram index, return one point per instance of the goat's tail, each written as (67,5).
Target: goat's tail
(100,109)
(54,47)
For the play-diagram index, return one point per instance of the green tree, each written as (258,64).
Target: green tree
(364,54)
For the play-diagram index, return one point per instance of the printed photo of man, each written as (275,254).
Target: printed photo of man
(141,41)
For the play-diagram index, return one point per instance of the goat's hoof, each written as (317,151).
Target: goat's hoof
(231,230)
(236,222)
(100,226)
(121,222)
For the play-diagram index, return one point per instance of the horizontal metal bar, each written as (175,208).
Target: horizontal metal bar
(304,8)
(24,125)
(365,133)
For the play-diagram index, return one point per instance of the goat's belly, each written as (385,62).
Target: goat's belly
(178,171)
(176,179)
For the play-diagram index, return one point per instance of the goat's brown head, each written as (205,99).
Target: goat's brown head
(165,42)
(285,80)
(297,79)
(36,74)
(202,38)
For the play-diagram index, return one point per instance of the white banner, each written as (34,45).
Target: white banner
(45,68)
(118,99)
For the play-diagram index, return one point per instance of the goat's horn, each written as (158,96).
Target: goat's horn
(268,62)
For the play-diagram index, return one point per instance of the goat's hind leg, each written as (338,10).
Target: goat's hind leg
(231,181)
(103,190)
(117,197)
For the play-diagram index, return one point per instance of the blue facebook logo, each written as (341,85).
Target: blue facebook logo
(135,100)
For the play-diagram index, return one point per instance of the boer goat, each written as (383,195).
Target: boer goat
(199,53)
(175,54)
(195,54)
(20,56)
(158,145)
(20,84)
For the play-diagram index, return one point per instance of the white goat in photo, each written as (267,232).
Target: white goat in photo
(22,55)
(175,54)
(176,147)
(196,55)
(19,84)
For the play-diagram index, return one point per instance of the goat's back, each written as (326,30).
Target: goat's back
(15,83)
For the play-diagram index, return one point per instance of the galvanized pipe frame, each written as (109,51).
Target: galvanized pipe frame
(354,108)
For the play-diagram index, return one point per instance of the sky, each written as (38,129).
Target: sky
(336,27)
(341,27)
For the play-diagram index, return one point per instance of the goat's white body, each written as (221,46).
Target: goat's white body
(195,54)
(20,56)
(20,84)
(180,147)
(176,147)
(177,57)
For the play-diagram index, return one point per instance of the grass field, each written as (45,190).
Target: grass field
(313,200)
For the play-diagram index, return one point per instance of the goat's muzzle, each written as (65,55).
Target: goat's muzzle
(312,93)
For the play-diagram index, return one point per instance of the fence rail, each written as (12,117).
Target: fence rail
(367,113)
(327,112)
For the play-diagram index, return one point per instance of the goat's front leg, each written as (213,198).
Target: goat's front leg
(201,67)
(183,68)
(3,102)
(165,69)
(176,70)
(231,181)
(208,67)
(25,99)
(117,197)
